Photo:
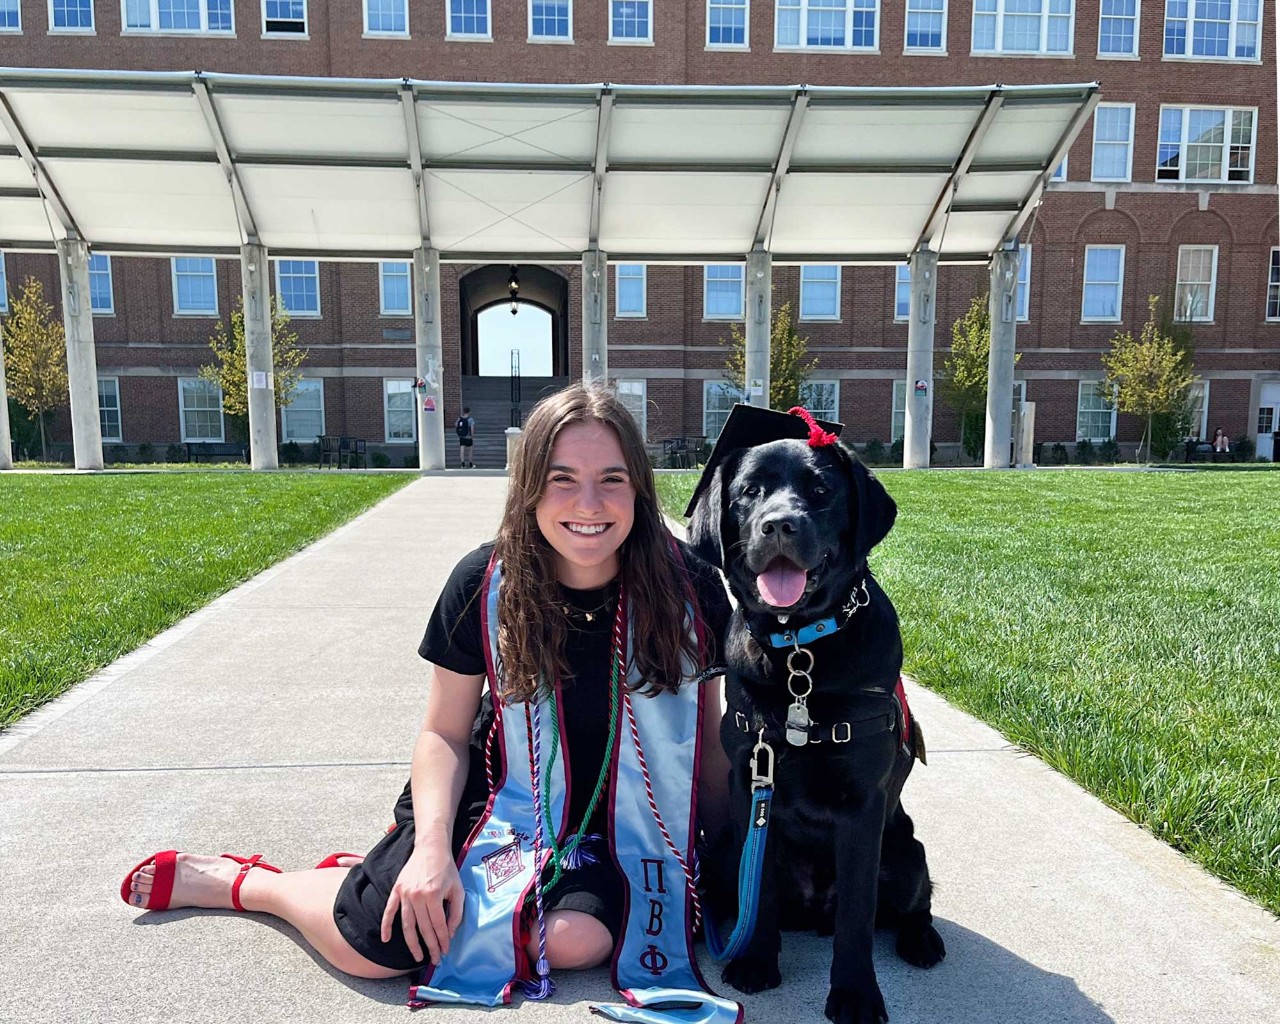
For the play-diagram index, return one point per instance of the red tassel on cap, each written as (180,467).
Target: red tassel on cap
(818,438)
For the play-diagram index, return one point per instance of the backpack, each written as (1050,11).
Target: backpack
(463,428)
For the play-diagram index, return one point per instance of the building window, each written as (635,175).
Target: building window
(1118,28)
(10,16)
(631,393)
(71,15)
(718,399)
(195,286)
(1022,26)
(927,25)
(1023,293)
(1196,145)
(386,17)
(283,17)
(298,287)
(898,423)
(630,297)
(1266,419)
(1273,285)
(1113,142)
(101,299)
(1095,415)
(1222,29)
(822,398)
(179,16)
(398,411)
(394,289)
(727,22)
(109,408)
(828,24)
(1103,282)
(551,19)
(1060,172)
(303,418)
(1198,408)
(4,287)
(468,19)
(723,291)
(819,292)
(902,291)
(630,21)
(1197,283)
(200,407)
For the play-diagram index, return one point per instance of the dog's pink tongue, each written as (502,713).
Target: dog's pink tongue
(782,584)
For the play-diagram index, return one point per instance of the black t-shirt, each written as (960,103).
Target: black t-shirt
(454,640)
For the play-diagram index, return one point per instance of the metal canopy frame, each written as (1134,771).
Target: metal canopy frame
(785,159)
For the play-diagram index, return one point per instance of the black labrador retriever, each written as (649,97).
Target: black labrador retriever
(791,524)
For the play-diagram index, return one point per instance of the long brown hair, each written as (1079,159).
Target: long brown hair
(531,628)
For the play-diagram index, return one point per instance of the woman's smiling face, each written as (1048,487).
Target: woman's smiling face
(588,504)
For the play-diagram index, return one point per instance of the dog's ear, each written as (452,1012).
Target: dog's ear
(705,533)
(876,511)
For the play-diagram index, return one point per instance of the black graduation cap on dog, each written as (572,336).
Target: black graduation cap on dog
(749,426)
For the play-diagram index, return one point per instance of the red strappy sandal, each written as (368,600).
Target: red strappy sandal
(331,861)
(166,862)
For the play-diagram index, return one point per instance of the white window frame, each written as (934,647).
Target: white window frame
(1189,37)
(829,317)
(1137,30)
(182,411)
(1201,385)
(449,33)
(1085,318)
(383,33)
(726,390)
(898,412)
(936,51)
(618,40)
(78,30)
(110,308)
(745,5)
(1093,386)
(295,314)
(830,413)
(173,276)
(1183,143)
(15,29)
(551,39)
(387,392)
(1128,143)
(618,312)
(153,27)
(742,293)
(4,286)
(1022,290)
(633,389)
(901,279)
(1273,285)
(310,385)
(804,8)
(1213,287)
(383,308)
(999,50)
(277,33)
(118,436)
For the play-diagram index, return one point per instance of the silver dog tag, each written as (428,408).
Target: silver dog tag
(798,723)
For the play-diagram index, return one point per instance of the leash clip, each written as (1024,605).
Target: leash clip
(760,778)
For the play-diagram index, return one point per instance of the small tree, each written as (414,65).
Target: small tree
(963,381)
(1149,376)
(229,370)
(789,365)
(35,353)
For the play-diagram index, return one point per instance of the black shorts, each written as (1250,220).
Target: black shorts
(595,889)
(466,442)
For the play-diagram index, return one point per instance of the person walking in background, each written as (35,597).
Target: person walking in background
(466,431)
(1220,441)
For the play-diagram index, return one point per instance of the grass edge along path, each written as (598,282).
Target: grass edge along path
(92,567)
(1124,627)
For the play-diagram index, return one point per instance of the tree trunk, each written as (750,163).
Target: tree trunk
(44,443)
(963,416)
(1150,438)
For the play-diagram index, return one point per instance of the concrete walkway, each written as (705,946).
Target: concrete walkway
(280,720)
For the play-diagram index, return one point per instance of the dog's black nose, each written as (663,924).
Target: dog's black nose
(783,524)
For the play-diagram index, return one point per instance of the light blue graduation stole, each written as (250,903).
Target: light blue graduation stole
(653,965)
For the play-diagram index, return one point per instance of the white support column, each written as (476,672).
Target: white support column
(82,359)
(6,439)
(918,434)
(1004,322)
(759,314)
(595,322)
(429,358)
(259,361)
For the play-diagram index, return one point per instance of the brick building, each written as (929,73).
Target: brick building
(1170,190)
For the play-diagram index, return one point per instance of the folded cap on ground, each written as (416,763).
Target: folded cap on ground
(749,426)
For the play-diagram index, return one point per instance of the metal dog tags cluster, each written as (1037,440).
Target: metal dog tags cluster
(798,723)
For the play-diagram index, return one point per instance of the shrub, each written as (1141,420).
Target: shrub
(146,452)
(896,451)
(379,460)
(291,453)
(1109,451)
(1058,454)
(873,450)
(411,461)
(175,453)
(1244,448)
(1086,454)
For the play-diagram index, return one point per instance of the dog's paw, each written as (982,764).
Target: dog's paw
(921,946)
(752,974)
(856,1006)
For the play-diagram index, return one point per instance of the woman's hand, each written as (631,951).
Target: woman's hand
(428,897)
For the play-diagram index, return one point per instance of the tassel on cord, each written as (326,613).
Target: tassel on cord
(818,438)
(542,987)
(576,854)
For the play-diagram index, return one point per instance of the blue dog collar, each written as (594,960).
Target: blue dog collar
(859,598)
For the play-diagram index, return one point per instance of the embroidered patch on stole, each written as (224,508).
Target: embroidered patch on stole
(502,865)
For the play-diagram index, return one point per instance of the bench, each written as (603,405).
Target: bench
(226,450)
(1202,451)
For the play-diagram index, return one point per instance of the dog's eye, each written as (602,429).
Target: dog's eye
(751,491)
(819,491)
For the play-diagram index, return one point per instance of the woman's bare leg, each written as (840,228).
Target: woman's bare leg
(575,941)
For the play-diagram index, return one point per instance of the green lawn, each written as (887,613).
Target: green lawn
(1123,626)
(93,566)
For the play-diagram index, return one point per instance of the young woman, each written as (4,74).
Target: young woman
(1221,443)
(587,624)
